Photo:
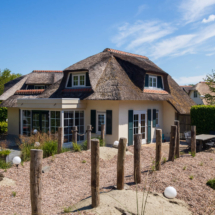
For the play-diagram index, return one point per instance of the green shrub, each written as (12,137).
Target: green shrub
(203,117)
(4,165)
(49,148)
(3,127)
(5,152)
(3,114)
(211,183)
(76,147)
(26,149)
(84,145)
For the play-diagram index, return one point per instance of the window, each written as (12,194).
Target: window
(153,81)
(26,114)
(157,117)
(100,121)
(73,118)
(76,80)
(38,87)
(195,94)
(55,121)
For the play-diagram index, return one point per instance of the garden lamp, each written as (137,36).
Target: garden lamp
(16,161)
(35,131)
(170,192)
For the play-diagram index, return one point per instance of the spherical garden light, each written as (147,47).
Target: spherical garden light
(17,161)
(35,131)
(170,192)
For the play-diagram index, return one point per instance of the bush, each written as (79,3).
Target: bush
(4,152)
(3,127)
(76,147)
(203,117)
(211,183)
(4,165)
(3,114)
(49,148)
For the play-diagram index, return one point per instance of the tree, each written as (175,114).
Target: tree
(210,81)
(5,77)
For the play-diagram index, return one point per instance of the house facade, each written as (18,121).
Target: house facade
(126,92)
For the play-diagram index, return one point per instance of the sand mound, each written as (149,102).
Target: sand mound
(107,153)
(117,201)
(7,182)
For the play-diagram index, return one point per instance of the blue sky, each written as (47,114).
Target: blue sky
(179,36)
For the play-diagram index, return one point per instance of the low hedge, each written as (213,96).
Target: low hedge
(203,117)
(3,127)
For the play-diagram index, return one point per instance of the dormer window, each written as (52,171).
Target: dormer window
(76,80)
(153,81)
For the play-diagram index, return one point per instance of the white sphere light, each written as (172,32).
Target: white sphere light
(116,143)
(170,192)
(16,160)
(35,131)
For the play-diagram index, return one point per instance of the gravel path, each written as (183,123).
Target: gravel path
(68,180)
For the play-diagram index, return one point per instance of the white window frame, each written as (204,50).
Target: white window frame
(153,77)
(73,75)
(97,121)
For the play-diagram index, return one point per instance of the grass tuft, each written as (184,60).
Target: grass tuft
(76,147)
(14,194)
(67,209)
(191,177)
(201,164)
(164,160)
(84,161)
(4,165)
(211,183)
(184,168)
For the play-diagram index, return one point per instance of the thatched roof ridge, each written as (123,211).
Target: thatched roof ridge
(53,71)
(12,86)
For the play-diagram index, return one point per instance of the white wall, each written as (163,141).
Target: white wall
(197,100)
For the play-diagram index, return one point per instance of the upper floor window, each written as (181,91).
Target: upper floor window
(76,80)
(195,94)
(38,87)
(153,81)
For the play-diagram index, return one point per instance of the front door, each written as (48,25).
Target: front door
(140,124)
(40,121)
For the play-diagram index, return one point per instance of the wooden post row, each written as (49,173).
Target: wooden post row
(89,129)
(74,134)
(60,140)
(158,149)
(95,172)
(121,163)
(193,139)
(36,181)
(172,143)
(137,166)
(177,147)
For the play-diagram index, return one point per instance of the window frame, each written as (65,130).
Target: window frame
(97,121)
(157,118)
(153,77)
(195,94)
(73,75)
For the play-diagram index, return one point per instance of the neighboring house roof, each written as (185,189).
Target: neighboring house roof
(186,88)
(117,75)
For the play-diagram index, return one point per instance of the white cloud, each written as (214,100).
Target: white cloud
(211,18)
(140,9)
(141,32)
(194,10)
(189,80)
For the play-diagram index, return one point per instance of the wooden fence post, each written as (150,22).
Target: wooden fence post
(89,129)
(137,166)
(95,172)
(74,134)
(103,133)
(177,147)
(36,181)
(193,139)
(60,140)
(121,163)
(172,143)
(158,148)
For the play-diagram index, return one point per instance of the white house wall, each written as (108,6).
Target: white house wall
(197,99)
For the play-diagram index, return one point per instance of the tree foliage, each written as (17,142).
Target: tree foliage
(210,81)
(5,77)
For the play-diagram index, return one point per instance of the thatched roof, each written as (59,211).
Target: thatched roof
(116,75)
(186,88)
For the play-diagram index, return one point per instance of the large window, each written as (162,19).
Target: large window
(26,120)
(73,118)
(55,121)
(153,81)
(76,80)
(100,120)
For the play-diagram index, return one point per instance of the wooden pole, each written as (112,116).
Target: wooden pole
(74,134)
(89,129)
(137,166)
(36,181)
(172,143)
(193,139)
(158,148)
(60,140)
(177,147)
(95,172)
(103,133)
(121,163)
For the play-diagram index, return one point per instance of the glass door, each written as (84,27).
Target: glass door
(140,124)
(40,121)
